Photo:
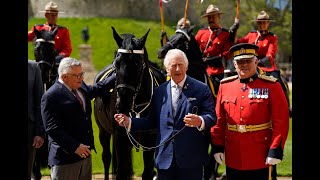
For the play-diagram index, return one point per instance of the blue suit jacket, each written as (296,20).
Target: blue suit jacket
(190,145)
(66,123)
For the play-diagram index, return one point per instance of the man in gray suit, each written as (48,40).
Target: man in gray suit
(35,124)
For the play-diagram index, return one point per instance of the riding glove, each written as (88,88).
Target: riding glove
(272,161)
(58,59)
(265,62)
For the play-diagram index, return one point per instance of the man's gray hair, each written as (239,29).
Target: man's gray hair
(66,64)
(172,54)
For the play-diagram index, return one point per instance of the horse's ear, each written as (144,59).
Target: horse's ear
(117,37)
(36,32)
(143,40)
(190,30)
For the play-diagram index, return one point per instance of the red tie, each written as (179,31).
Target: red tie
(78,97)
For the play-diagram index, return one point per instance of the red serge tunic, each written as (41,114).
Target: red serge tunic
(219,46)
(249,150)
(268,46)
(62,39)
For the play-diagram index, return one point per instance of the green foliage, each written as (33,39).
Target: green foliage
(103,47)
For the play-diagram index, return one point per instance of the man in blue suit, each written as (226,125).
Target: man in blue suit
(66,113)
(183,156)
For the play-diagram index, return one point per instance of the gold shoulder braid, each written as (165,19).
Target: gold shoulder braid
(228,79)
(268,78)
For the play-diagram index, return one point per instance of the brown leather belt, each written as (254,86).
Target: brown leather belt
(249,128)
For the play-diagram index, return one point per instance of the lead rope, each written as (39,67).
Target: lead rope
(146,148)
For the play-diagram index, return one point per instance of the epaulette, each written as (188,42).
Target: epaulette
(39,25)
(267,78)
(228,79)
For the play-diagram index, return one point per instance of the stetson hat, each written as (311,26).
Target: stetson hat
(243,50)
(211,10)
(181,21)
(263,16)
(51,7)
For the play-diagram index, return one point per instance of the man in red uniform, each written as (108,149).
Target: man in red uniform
(268,47)
(62,39)
(214,42)
(253,119)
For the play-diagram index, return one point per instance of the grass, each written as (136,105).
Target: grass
(103,47)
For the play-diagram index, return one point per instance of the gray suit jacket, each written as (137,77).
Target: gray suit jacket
(35,92)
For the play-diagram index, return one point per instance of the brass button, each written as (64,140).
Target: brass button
(240,119)
(242,97)
(241,108)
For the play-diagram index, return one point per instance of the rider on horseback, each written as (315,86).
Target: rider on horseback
(268,47)
(62,39)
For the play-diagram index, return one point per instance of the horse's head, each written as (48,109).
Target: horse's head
(180,40)
(44,51)
(130,63)
(184,40)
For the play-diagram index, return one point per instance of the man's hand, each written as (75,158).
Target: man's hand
(235,25)
(83,150)
(122,119)
(37,141)
(272,161)
(219,157)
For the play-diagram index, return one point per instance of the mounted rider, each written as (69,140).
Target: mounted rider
(62,40)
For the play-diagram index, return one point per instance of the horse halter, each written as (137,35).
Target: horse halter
(123,85)
(51,42)
(186,42)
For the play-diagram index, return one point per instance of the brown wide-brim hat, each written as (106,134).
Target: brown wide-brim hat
(263,16)
(51,7)
(211,10)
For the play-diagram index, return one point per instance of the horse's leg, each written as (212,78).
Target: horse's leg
(123,152)
(104,138)
(149,140)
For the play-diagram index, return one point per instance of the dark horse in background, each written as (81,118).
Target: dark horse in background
(135,80)
(45,54)
(184,40)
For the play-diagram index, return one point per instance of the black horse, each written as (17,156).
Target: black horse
(184,40)
(135,80)
(44,53)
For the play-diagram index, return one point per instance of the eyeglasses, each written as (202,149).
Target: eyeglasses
(78,76)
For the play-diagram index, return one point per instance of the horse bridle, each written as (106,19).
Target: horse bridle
(123,85)
(185,34)
(42,61)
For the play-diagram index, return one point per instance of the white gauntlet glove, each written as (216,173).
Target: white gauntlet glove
(272,161)
(219,157)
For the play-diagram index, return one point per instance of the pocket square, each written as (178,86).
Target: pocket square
(192,99)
